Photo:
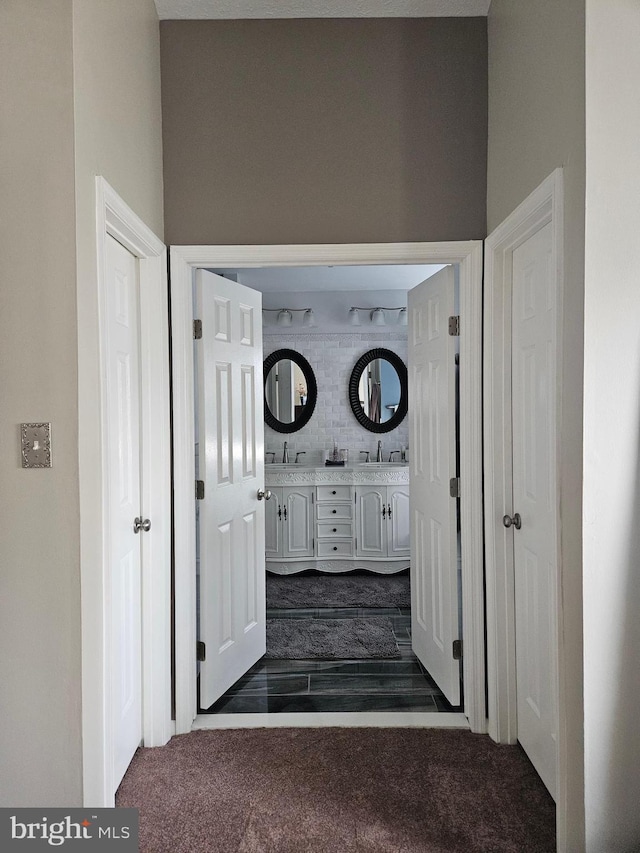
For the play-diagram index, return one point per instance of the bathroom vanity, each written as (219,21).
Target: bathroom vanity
(337,519)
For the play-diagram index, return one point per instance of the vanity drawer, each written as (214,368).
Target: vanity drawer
(338,529)
(333,493)
(329,512)
(336,548)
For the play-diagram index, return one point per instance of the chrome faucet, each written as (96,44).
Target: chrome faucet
(379,453)
(285,453)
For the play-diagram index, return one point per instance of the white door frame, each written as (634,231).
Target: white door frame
(543,206)
(184,259)
(115,218)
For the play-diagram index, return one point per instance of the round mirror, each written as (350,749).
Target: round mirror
(290,390)
(378,390)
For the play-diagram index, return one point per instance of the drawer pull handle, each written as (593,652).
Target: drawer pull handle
(335,547)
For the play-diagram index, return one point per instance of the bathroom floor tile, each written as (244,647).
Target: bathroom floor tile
(279,686)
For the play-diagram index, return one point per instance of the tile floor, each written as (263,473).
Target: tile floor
(277,686)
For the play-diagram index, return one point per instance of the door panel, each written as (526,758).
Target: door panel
(298,522)
(434,584)
(231,518)
(398,514)
(534,498)
(123,448)
(371,523)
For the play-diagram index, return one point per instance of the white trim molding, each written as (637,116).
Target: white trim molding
(543,206)
(115,218)
(184,259)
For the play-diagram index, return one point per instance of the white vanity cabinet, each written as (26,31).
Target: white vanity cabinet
(337,520)
(382,521)
(289,522)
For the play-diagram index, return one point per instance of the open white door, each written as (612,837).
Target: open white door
(432,442)
(231,464)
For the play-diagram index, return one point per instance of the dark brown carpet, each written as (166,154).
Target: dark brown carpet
(338,791)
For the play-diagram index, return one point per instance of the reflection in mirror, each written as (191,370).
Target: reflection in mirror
(378,390)
(285,391)
(289,391)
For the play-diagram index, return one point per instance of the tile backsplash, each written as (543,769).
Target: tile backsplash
(332,357)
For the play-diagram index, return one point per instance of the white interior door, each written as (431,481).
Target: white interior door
(231,463)
(123,449)
(432,439)
(534,499)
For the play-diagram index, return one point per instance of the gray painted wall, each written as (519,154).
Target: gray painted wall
(79,94)
(612,429)
(537,123)
(40,747)
(336,131)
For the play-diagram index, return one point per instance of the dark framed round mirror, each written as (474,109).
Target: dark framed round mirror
(290,390)
(378,391)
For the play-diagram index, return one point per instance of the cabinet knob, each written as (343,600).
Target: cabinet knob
(334,492)
(335,547)
(334,511)
(335,529)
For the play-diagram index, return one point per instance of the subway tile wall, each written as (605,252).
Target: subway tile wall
(332,357)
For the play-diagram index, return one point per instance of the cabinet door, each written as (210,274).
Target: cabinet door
(371,521)
(398,517)
(273,524)
(297,521)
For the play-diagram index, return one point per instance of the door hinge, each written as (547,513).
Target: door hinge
(201,651)
(457,649)
(454,326)
(197,329)
(199,490)
(454,487)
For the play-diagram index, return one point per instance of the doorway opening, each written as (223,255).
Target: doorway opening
(468,255)
(338,585)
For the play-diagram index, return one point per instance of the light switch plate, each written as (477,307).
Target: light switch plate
(36,445)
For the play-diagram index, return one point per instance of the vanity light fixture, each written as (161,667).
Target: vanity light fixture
(285,316)
(377,315)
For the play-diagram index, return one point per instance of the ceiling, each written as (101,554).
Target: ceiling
(229,9)
(333,279)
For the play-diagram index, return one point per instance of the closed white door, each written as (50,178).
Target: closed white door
(534,499)
(123,449)
(434,583)
(232,517)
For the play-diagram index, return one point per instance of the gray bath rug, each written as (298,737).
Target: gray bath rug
(346,639)
(338,591)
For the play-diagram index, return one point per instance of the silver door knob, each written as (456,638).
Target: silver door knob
(141,523)
(264,494)
(516,521)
